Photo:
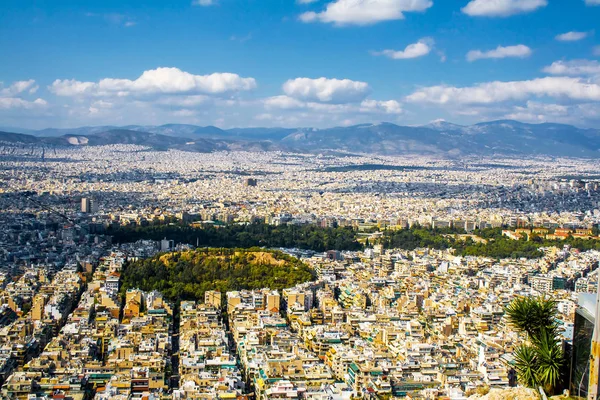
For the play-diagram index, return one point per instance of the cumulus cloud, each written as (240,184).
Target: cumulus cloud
(501,8)
(415,50)
(519,51)
(365,12)
(495,92)
(592,2)
(156,81)
(571,36)
(326,90)
(574,68)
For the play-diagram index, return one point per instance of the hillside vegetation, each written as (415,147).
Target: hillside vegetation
(187,275)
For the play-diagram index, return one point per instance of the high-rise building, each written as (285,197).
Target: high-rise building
(166,245)
(250,182)
(582,342)
(87,205)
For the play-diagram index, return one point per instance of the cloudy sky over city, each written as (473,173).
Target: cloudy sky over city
(293,63)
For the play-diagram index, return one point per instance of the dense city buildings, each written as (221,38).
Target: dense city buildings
(376,321)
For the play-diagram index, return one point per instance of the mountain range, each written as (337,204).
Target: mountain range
(504,137)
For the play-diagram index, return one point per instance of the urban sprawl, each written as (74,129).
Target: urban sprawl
(377,322)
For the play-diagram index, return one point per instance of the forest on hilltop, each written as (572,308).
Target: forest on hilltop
(187,275)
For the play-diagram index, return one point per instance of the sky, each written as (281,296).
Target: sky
(298,63)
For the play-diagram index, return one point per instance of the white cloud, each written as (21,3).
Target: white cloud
(10,97)
(366,106)
(586,113)
(519,51)
(100,107)
(306,1)
(574,67)
(326,90)
(71,87)
(15,102)
(415,50)
(537,112)
(495,92)
(204,3)
(365,12)
(592,2)
(289,103)
(156,81)
(501,8)
(19,87)
(596,51)
(571,36)
(386,107)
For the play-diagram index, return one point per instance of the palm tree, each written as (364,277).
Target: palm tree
(532,314)
(539,362)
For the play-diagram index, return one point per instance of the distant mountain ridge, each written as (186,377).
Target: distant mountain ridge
(504,137)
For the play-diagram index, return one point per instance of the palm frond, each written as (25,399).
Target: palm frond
(549,358)
(526,365)
(531,314)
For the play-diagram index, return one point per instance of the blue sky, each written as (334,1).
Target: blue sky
(298,62)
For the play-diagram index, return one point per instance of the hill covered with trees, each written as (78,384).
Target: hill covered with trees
(187,275)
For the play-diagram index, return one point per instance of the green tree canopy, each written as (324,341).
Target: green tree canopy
(188,275)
